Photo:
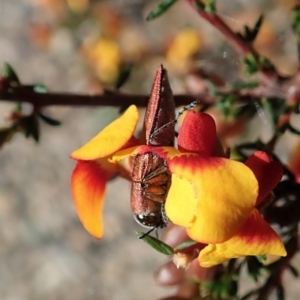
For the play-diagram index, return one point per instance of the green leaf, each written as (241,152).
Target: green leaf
(250,34)
(199,5)
(231,265)
(160,9)
(226,104)
(49,121)
(19,106)
(294,271)
(40,89)
(243,85)
(223,286)
(254,63)
(233,288)
(224,293)
(124,75)
(31,127)
(257,26)
(156,243)
(216,290)
(296,25)
(254,267)
(251,63)
(286,109)
(296,20)
(298,45)
(185,244)
(265,63)
(296,14)
(212,88)
(210,6)
(243,110)
(10,73)
(267,105)
(261,258)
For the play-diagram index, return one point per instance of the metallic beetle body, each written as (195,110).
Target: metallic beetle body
(151,178)
(150,185)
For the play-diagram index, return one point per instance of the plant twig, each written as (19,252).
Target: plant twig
(269,77)
(68,99)
(23,93)
(240,45)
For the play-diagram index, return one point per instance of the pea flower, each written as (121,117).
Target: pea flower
(216,199)
(93,169)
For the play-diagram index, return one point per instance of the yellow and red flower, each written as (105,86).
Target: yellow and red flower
(94,169)
(219,208)
(214,198)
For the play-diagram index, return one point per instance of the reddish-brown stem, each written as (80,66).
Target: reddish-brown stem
(238,42)
(66,99)
(39,100)
(243,47)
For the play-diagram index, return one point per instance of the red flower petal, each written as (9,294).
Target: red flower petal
(268,173)
(88,188)
(197,134)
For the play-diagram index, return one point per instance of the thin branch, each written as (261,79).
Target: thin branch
(237,41)
(269,77)
(39,100)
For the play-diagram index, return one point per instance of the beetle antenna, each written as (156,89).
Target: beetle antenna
(187,107)
(148,232)
(156,233)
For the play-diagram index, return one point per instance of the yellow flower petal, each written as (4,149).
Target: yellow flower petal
(225,193)
(111,139)
(125,153)
(181,205)
(256,237)
(88,188)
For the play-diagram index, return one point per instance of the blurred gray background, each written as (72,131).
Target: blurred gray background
(44,251)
